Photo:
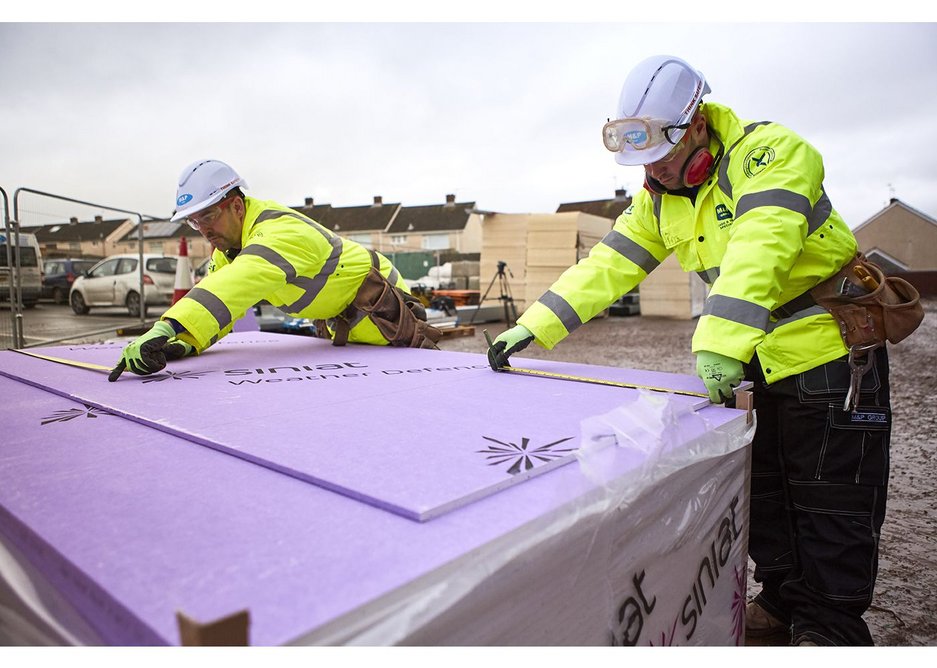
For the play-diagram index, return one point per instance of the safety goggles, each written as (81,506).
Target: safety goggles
(641,133)
(209,216)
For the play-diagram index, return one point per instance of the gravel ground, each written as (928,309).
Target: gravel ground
(904,610)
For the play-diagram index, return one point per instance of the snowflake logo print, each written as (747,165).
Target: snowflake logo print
(174,375)
(522,456)
(68,414)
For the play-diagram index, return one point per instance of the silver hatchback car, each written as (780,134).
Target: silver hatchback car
(115,281)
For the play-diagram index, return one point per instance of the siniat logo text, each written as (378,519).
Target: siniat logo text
(679,625)
(331,371)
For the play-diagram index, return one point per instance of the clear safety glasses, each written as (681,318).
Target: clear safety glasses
(641,133)
(209,216)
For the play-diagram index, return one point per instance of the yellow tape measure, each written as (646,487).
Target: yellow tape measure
(60,360)
(600,381)
(594,381)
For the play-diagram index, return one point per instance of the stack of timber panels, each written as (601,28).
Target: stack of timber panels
(556,242)
(537,249)
(669,292)
(504,239)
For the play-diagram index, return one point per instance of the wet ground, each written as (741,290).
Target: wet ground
(904,610)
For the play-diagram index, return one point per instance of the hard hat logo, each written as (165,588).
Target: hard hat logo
(184,199)
(225,187)
(695,100)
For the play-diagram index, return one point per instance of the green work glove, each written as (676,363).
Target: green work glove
(720,374)
(145,355)
(177,349)
(508,342)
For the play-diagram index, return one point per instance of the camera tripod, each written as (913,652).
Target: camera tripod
(510,312)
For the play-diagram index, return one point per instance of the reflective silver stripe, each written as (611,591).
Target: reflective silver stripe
(737,310)
(273,258)
(820,214)
(311,286)
(561,309)
(621,244)
(724,184)
(393,276)
(786,199)
(805,313)
(657,204)
(213,304)
(709,276)
(271,214)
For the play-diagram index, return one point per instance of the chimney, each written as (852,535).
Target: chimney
(450,200)
(73,220)
(99,219)
(621,193)
(378,201)
(309,201)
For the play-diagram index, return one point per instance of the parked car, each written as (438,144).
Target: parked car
(115,281)
(59,274)
(29,260)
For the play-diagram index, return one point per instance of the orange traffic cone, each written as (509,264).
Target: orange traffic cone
(183,272)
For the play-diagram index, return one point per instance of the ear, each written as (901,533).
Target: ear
(240,207)
(699,123)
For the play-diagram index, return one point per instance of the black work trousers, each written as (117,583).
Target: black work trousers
(819,483)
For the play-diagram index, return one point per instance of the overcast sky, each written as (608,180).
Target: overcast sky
(507,115)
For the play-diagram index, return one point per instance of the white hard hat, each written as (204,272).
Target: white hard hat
(661,88)
(203,183)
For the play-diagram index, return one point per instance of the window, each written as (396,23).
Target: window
(363,239)
(162,265)
(436,242)
(127,266)
(109,268)
(27,256)
(399,239)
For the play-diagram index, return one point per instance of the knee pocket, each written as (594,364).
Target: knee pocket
(837,533)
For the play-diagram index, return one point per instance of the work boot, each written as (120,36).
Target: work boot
(759,623)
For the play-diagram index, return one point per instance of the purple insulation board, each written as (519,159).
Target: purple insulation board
(304,505)
(417,432)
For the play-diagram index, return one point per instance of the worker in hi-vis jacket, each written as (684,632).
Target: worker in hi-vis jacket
(266,251)
(742,204)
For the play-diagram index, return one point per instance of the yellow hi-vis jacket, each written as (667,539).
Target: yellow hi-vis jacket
(761,231)
(289,260)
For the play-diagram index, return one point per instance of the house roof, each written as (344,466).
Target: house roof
(350,219)
(895,202)
(76,231)
(606,208)
(448,217)
(318,212)
(158,229)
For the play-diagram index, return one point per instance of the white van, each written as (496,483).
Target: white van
(30,263)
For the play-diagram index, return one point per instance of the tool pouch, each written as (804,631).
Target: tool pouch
(890,311)
(398,316)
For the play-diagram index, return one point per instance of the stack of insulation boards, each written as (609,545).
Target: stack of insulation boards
(365,495)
